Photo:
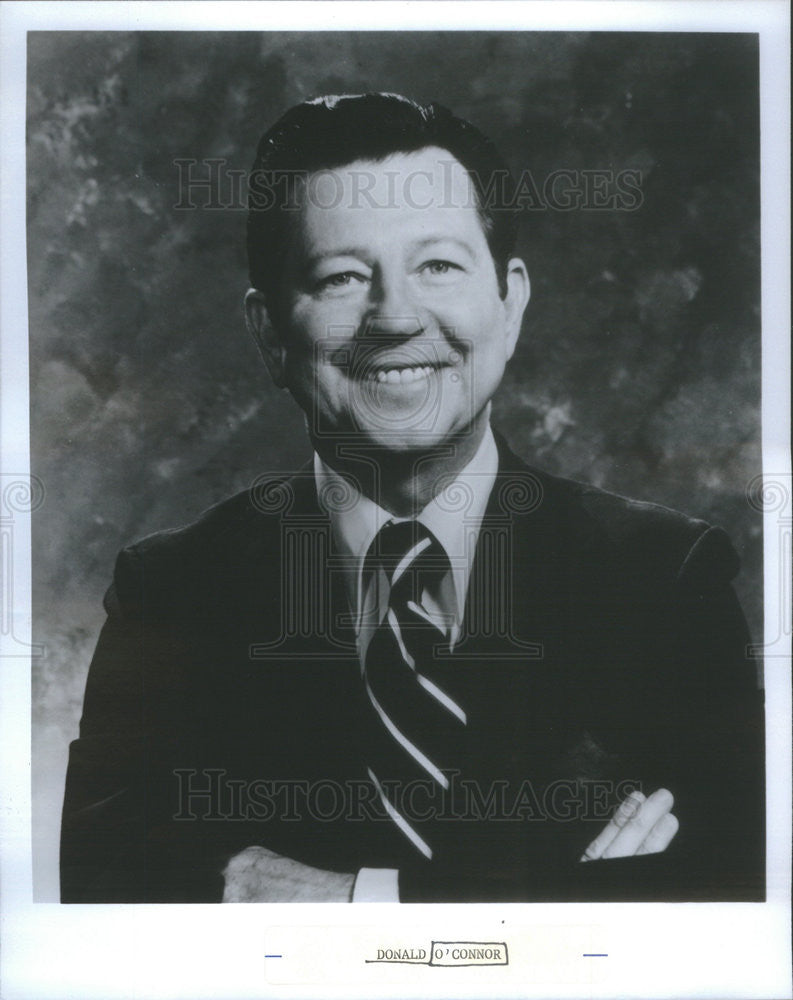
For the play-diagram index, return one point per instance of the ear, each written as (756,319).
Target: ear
(515,301)
(267,338)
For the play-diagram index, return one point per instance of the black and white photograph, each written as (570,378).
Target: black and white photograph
(403,508)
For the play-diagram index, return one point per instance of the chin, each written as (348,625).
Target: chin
(408,440)
(401,443)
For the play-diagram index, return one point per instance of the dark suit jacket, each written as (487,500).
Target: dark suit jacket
(602,644)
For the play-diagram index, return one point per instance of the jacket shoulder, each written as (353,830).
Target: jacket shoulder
(651,534)
(637,535)
(598,516)
(172,566)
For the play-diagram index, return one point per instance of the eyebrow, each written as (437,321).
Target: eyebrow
(429,240)
(310,262)
(360,254)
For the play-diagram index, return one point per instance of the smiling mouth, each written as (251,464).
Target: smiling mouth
(401,374)
(401,366)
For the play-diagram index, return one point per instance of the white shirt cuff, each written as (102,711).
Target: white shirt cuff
(376,885)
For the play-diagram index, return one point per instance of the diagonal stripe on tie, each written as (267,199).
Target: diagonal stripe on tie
(407,745)
(411,695)
(412,835)
(418,724)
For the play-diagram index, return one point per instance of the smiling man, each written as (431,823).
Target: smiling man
(418,669)
(389,327)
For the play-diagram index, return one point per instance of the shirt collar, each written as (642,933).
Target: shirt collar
(454,516)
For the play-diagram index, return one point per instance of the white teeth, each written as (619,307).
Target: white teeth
(401,376)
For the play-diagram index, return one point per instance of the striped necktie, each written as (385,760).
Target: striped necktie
(417,725)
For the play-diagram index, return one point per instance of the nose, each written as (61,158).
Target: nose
(393,311)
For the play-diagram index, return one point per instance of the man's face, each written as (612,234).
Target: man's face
(391,330)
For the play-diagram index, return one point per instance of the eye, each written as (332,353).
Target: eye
(341,280)
(439,268)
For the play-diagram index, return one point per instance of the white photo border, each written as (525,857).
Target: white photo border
(685,950)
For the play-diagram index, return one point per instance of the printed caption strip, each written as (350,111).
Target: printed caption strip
(404,955)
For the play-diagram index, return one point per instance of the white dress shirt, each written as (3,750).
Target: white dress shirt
(454,516)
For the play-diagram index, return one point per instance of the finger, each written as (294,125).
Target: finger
(660,837)
(622,814)
(636,829)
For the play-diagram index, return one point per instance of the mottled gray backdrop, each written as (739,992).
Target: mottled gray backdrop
(639,365)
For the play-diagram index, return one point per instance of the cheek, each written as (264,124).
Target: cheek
(314,382)
(482,327)
(305,345)
(333,317)
(301,325)
(489,351)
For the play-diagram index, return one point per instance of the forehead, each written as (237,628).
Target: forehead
(404,195)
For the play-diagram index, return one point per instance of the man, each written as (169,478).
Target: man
(418,669)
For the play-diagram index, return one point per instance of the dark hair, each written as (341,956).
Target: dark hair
(333,131)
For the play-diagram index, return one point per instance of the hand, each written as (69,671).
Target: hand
(257,875)
(638,826)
